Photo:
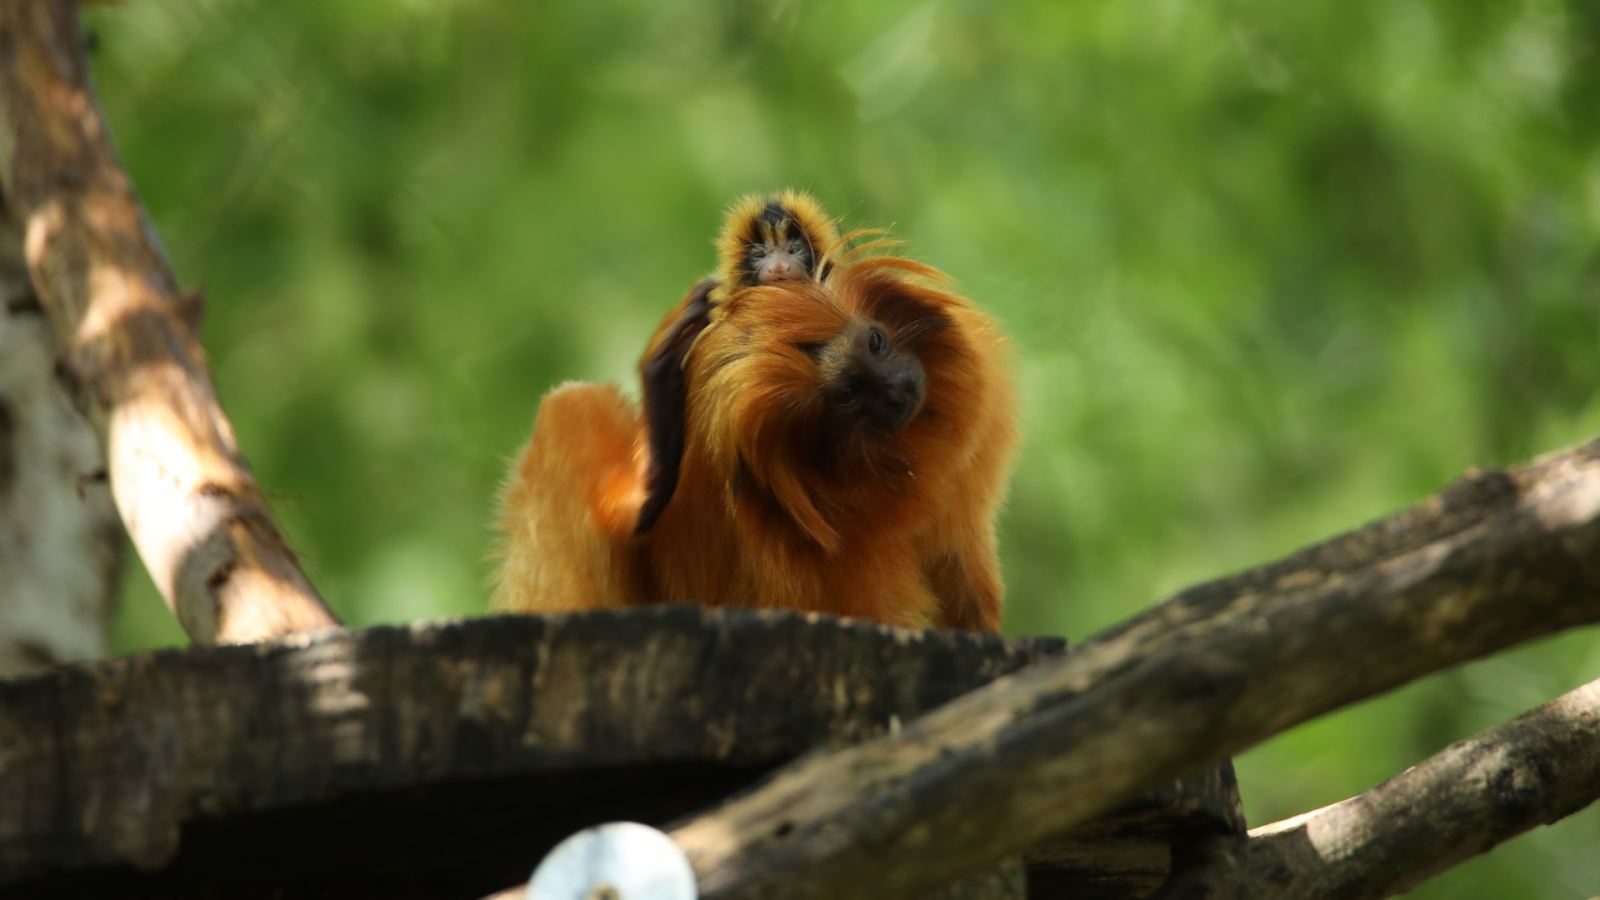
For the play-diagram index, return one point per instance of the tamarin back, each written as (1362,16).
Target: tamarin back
(836,442)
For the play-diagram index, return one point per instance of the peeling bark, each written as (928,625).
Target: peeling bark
(60,540)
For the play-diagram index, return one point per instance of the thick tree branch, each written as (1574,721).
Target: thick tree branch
(1496,559)
(184,492)
(1456,804)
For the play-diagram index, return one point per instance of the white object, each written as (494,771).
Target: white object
(614,861)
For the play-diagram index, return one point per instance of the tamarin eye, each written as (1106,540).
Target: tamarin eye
(812,349)
(795,247)
(877,342)
(846,397)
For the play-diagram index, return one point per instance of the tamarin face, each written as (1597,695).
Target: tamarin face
(835,397)
(766,239)
(863,373)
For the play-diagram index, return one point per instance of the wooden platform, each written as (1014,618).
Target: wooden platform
(443,760)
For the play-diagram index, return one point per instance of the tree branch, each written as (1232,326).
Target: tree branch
(1496,559)
(1456,804)
(184,492)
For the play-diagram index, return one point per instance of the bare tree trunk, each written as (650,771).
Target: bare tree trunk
(60,540)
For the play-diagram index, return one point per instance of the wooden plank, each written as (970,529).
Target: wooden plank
(130,349)
(441,756)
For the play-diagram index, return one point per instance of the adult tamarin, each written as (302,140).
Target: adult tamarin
(835,439)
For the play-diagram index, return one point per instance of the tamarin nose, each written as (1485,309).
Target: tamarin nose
(779,268)
(899,399)
(906,390)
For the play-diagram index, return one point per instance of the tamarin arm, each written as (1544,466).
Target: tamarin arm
(695,304)
(666,396)
(966,579)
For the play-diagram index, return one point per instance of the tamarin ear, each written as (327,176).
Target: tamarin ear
(665,401)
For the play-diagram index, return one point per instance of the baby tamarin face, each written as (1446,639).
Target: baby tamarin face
(781,237)
(776,248)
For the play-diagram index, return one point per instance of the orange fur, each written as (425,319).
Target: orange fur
(782,500)
(567,509)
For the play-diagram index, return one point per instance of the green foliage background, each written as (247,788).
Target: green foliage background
(1273,269)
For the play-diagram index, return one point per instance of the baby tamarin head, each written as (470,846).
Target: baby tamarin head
(834,403)
(775,237)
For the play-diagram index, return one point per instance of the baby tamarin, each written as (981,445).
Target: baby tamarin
(831,432)
(767,239)
(764,239)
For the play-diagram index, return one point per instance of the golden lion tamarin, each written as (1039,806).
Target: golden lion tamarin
(836,439)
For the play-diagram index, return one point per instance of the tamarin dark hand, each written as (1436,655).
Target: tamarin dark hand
(842,445)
